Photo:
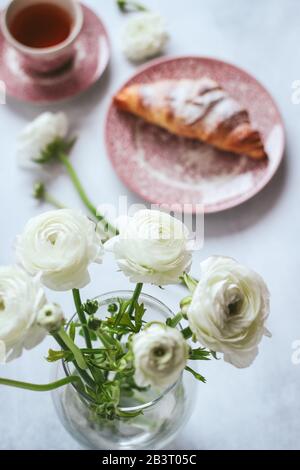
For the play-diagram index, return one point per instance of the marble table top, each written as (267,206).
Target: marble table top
(255,408)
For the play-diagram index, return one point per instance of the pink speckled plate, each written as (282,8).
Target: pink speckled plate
(93,53)
(170,170)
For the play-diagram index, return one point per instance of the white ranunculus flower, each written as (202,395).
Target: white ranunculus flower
(21,298)
(37,135)
(144,36)
(60,245)
(152,247)
(160,356)
(229,309)
(51,317)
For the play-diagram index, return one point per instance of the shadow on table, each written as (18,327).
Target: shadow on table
(251,212)
(241,217)
(79,106)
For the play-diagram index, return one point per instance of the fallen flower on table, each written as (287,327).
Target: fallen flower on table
(44,141)
(144,36)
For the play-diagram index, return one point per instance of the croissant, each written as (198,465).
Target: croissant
(198,109)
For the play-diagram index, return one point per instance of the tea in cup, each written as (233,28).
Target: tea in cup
(43,32)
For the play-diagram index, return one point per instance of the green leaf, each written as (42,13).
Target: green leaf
(94,351)
(125,321)
(200,354)
(107,340)
(123,317)
(123,305)
(128,6)
(72,331)
(113,390)
(53,150)
(104,410)
(39,190)
(92,333)
(214,355)
(122,5)
(139,313)
(90,391)
(54,356)
(107,398)
(196,374)
(78,356)
(121,365)
(104,367)
(189,282)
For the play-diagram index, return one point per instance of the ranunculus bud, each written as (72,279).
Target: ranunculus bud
(91,306)
(51,317)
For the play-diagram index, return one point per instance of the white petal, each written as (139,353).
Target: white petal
(23,296)
(241,359)
(34,337)
(2,352)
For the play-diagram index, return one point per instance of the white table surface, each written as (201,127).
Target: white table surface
(256,408)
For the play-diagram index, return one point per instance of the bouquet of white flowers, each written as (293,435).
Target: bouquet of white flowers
(225,312)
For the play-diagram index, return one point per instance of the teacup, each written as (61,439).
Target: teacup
(41,59)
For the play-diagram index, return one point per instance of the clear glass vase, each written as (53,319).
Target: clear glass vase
(163,414)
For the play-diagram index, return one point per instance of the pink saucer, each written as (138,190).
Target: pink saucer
(165,169)
(93,53)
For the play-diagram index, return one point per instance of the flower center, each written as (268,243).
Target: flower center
(234,307)
(159,352)
(52,238)
(234,300)
(2,305)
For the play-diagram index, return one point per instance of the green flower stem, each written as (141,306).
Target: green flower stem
(187,333)
(75,350)
(196,374)
(82,318)
(40,388)
(84,197)
(40,193)
(189,282)
(173,322)
(184,304)
(75,180)
(53,201)
(135,298)
(86,377)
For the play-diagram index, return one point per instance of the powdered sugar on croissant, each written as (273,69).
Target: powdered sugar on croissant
(199,109)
